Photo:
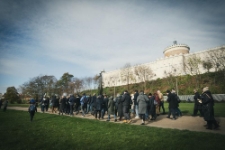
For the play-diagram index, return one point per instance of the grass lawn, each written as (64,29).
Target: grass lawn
(187,109)
(59,132)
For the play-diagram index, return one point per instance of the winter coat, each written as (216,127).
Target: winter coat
(172,100)
(208,103)
(111,106)
(120,105)
(63,102)
(135,98)
(126,99)
(98,103)
(151,105)
(197,105)
(72,100)
(93,99)
(142,101)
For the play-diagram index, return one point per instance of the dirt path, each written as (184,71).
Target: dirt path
(182,123)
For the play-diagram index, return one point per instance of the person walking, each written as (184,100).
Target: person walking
(208,104)
(152,111)
(142,101)
(82,102)
(197,105)
(5,104)
(71,103)
(92,101)
(126,100)
(98,104)
(120,106)
(135,103)
(62,104)
(32,109)
(42,103)
(172,100)
(161,98)
(111,109)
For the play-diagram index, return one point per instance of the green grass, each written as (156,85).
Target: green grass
(187,109)
(60,132)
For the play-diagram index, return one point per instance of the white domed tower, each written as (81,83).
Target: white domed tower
(176,49)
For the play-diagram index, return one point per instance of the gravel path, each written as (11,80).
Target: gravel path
(182,123)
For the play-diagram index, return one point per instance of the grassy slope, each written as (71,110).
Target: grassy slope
(58,132)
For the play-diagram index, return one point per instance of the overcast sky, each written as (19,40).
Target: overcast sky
(51,37)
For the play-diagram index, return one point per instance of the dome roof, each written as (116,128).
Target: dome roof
(176,49)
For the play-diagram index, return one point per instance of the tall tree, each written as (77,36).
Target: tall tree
(64,82)
(12,95)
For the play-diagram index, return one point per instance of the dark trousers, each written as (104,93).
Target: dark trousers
(99,114)
(32,115)
(71,109)
(173,112)
(162,105)
(195,112)
(142,116)
(126,112)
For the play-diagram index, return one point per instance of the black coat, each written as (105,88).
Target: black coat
(98,103)
(93,99)
(135,98)
(208,103)
(172,100)
(126,99)
(151,105)
(197,104)
(63,102)
(120,106)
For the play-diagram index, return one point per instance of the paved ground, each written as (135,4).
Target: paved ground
(182,123)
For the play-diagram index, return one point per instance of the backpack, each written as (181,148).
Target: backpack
(32,108)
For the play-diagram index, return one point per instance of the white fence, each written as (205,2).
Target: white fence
(217,97)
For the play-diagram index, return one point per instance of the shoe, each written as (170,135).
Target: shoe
(129,121)
(115,120)
(142,123)
(136,117)
(125,121)
(209,128)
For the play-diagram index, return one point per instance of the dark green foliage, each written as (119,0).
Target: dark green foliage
(58,132)
(12,95)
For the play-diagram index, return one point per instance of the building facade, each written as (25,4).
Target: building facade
(177,61)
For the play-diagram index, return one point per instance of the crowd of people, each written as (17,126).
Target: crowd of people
(143,106)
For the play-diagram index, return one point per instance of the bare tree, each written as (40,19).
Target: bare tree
(217,58)
(78,84)
(192,66)
(127,74)
(144,73)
